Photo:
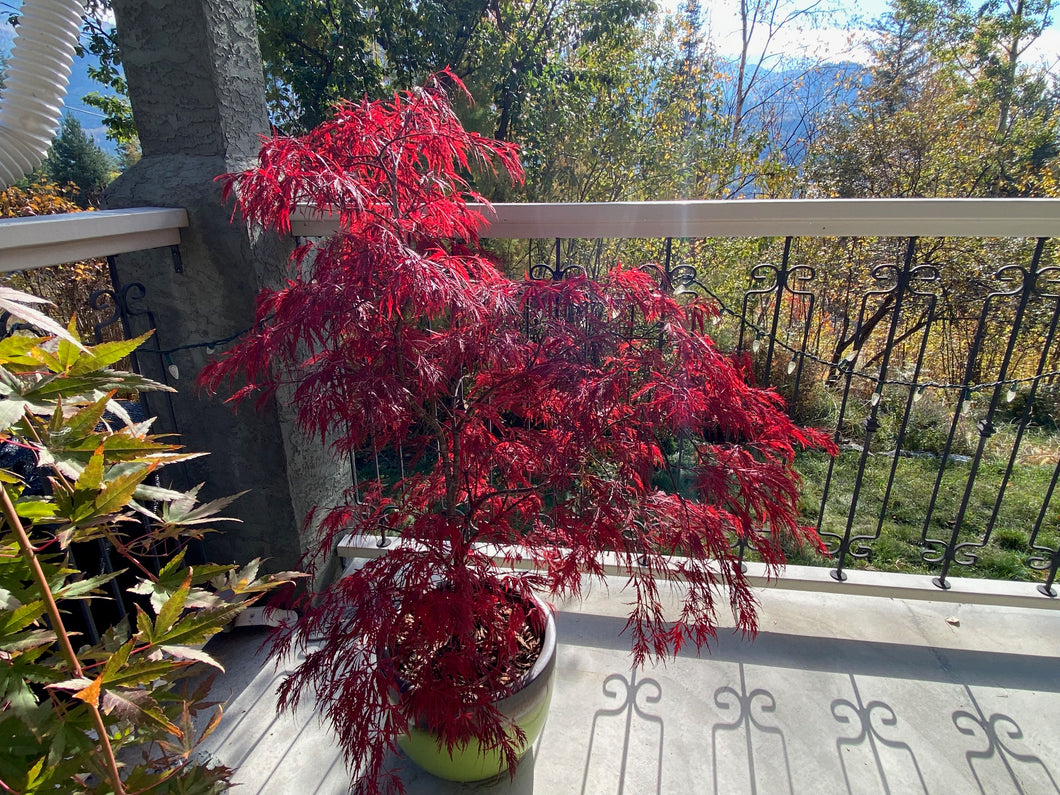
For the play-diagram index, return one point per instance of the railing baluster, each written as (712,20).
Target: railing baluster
(897,294)
(781,285)
(1024,420)
(1049,558)
(1025,291)
(846,368)
(801,273)
(929,274)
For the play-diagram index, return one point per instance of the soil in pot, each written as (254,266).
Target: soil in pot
(526,706)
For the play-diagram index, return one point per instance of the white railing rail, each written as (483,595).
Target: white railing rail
(43,240)
(40,241)
(756,218)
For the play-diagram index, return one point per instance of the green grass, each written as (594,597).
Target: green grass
(1006,555)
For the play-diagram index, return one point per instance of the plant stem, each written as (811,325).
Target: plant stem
(60,631)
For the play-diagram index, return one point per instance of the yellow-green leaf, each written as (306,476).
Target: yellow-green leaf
(86,419)
(116,661)
(138,708)
(9,477)
(114,496)
(144,625)
(200,625)
(36,509)
(91,477)
(190,653)
(67,352)
(14,349)
(106,354)
(173,607)
(140,673)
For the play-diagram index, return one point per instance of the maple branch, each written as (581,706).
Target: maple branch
(61,634)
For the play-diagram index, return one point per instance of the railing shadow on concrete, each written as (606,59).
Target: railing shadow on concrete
(783,713)
(1003,737)
(750,724)
(873,720)
(631,706)
(887,722)
(846,656)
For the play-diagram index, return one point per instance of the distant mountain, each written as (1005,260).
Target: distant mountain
(80,84)
(796,98)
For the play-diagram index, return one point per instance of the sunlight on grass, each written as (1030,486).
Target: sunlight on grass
(899,546)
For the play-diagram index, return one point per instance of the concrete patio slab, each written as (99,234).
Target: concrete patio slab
(837,694)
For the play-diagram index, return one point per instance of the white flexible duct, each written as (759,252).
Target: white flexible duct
(35,83)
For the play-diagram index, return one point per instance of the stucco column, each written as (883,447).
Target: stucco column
(198,97)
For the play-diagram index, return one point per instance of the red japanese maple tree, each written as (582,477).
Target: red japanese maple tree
(532,414)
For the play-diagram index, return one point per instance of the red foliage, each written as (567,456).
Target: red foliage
(528,413)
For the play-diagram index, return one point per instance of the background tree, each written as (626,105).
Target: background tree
(950,110)
(316,52)
(943,115)
(773,96)
(99,38)
(68,287)
(505,52)
(75,159)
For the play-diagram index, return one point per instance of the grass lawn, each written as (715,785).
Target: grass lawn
(1006,555)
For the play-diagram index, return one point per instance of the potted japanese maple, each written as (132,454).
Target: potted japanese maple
(483,413)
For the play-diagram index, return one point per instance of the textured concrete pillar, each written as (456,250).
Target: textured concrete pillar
(198,97)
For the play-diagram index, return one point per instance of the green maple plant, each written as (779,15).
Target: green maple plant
(113,716)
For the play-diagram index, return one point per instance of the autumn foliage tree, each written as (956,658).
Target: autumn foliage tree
(955,108)
(532,414)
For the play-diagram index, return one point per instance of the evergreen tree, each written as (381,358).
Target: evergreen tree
(75,158)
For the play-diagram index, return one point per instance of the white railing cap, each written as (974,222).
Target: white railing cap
(814,579)
(779,218)
(757,218)
(43,240)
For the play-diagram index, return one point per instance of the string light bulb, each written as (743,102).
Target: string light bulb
(172,368)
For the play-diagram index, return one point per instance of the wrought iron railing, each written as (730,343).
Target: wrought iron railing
(923,333)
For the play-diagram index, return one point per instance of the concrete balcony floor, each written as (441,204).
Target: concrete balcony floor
(838,694)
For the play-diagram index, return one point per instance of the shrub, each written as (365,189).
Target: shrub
(71,708)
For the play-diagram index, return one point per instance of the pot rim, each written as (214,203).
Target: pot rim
(548,647)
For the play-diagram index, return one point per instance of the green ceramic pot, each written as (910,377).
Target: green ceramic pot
(526,708)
